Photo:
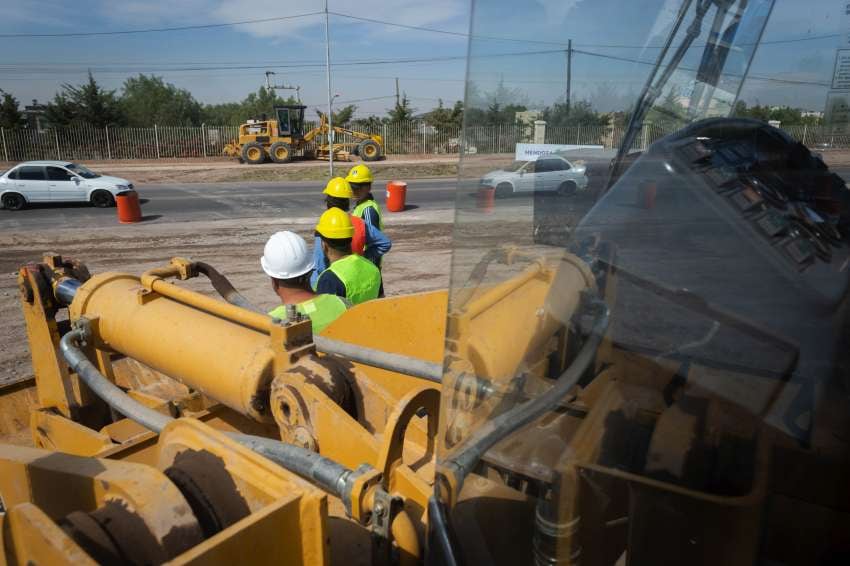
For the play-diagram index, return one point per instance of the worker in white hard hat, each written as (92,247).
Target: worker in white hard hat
(288,262)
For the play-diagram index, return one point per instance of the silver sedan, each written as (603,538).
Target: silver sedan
(547,174)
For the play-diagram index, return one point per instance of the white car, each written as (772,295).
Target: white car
(550,173)
(58,181)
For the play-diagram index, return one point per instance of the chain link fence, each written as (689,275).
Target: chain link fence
(404,138)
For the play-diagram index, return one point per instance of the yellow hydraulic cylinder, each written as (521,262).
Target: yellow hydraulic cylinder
(222,359)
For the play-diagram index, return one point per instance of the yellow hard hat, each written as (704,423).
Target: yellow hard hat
(359,174)
(339,188)
(335,224)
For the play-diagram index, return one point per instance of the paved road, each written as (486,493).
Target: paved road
(208,201)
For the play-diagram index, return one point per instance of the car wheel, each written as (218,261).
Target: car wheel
(567,188)
(102,199)
(504,190)
(280,152)
(253,153)
(13,201)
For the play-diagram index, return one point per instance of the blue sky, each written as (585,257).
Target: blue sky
(192,59)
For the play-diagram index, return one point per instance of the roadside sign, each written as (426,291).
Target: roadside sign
(533,151)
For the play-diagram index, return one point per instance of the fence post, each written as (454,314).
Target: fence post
(384,137)
(5,151)
(156,139)
(108,146)
(56,137)
(805,129)
(645,133)
(204,139)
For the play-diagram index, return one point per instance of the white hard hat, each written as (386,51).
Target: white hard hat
(286,256)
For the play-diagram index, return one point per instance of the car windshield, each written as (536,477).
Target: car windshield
(82,171)
(515,166)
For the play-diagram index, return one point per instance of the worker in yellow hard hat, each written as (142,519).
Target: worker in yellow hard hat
(368,241)
(360,179)
(349,275)
(287,261)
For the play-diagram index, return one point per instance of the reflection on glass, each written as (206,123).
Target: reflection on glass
(648,365)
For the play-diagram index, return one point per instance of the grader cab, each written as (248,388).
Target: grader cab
(663,381)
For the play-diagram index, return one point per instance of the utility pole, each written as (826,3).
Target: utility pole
(396,93)
(569,72)
(328,73)
(271,86)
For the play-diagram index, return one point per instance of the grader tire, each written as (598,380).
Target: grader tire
(253,153)
(369,150)
(280,152)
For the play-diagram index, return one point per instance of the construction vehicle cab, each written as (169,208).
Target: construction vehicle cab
(652,372)
(270,139)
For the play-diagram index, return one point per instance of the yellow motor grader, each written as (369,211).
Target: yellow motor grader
(651,373)
(280,138)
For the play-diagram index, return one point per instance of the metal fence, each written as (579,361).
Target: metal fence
(414,137)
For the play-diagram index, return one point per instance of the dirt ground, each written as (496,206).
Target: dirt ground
(419,261)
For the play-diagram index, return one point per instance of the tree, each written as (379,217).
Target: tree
(371,123)
(10,116)
(343,116)
(402,112)
(255,105)
(85,105)
(148,100)
(580,113)
(445,119)
(786,115)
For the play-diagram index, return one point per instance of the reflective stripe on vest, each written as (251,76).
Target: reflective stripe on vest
(360,209)
(322,310)
(361,278)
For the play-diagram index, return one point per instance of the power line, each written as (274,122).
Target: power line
(156,30)
(747,77)
(14,68)
(566,43)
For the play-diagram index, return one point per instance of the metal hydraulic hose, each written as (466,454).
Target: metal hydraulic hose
(105,389)
(380,359)
(484,438)
(224,287)
(324,472)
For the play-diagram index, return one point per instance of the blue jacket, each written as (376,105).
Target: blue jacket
(377,244)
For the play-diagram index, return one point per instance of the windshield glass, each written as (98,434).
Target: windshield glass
(515,166)
(82,171)
(626,346)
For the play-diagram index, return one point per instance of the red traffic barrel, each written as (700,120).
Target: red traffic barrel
(646,194)
(486,199)
(396,195)
(129,210)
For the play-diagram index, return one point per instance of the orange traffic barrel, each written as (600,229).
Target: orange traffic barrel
(129,210)
(646,195)
(396,194)
(486,199)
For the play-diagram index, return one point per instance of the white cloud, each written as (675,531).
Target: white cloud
(557,10)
